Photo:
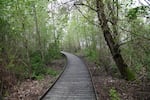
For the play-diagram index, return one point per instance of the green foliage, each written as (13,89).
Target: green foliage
(52,72)
(147,63)
(135,12)
(137,50)
(130,74)
(24,41)
(26,51)
(52,53)
(132,14)
(92,54)
(114,94)
(23,50)
(38,77)
(37,65)
(54,50)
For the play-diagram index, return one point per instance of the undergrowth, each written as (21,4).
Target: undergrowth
(38,66)
(114,94)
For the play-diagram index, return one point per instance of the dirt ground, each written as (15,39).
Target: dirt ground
(32,89)
(103,82)
(135,90)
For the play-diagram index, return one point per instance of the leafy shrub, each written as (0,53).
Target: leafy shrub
(92,54)
(37,66)
(51,72)
(53,52)
(38,77)
(114,94)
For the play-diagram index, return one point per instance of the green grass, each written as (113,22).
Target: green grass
(52,72)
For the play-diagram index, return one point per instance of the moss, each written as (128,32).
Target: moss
(130,75)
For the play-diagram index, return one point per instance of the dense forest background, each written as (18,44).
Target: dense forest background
(115,34)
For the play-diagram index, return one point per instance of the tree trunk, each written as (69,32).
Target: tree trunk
(38,33)
(114,47)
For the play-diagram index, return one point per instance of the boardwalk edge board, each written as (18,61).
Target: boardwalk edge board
(93,84)
(44,94)
(96,95)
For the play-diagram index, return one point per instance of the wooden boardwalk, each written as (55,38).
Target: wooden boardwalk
(74,84)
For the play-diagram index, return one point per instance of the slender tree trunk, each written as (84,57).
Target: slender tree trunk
(37,32)
(114,48)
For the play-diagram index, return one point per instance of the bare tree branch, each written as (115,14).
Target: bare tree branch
(147,1)
(123,43)
(135,33)
(85,16)
(140,2)
(82,4)
(68,1)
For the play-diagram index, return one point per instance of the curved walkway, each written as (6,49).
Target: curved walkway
(74,84)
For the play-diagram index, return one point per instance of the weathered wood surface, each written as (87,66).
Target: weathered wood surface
(74,84)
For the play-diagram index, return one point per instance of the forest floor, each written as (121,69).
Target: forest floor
(30,89)
(107,87)
(113,88)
